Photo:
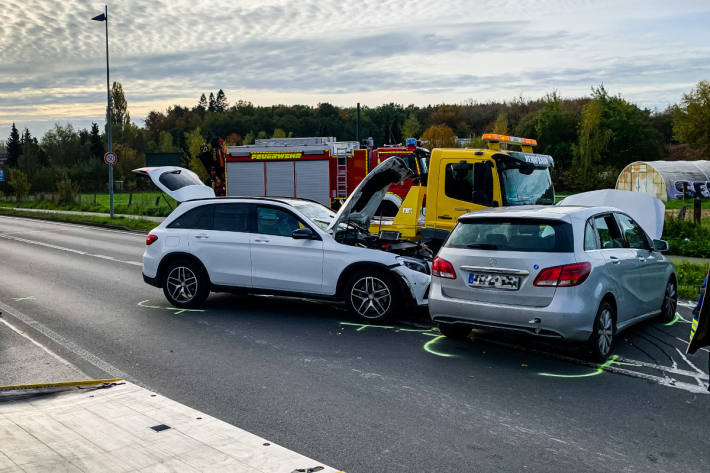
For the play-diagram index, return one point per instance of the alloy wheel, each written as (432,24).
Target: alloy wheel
(182,284)
(605,331)
(371,297)
(670,301)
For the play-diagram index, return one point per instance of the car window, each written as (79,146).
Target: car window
(199,218)
(512,234)
(608,231)
(590,237)
(469,182)
(634,234)
(232,217)
(177,179)
(273,221)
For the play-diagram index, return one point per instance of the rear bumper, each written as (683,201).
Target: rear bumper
(568,318)
(152,281)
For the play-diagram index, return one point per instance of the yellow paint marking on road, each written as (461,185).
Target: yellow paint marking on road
(64,384)
(27,298)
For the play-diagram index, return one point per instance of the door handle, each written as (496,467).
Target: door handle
(642,259)
(614,260)
(445,217)
(201,236)
(260,240)
(462,210)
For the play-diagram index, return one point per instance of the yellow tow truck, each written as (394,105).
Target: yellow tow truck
(462,180)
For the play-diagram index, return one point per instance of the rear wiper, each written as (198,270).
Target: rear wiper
(485,246)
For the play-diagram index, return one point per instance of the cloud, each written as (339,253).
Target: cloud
(318,50)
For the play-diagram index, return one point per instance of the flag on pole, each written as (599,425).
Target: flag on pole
(101,17)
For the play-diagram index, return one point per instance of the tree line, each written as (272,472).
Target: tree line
(591,138)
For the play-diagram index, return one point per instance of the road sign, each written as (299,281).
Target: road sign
(110,158)
(2,175)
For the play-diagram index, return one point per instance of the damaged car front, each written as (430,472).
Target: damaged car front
(284,246)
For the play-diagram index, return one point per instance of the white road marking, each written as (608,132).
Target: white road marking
(75,225)
(69,250)
(700,388)
(65,343)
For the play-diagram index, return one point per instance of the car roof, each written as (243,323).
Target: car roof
(293,201)
(551,212)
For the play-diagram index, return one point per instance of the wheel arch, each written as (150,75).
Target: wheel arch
(170,257)
(349,270)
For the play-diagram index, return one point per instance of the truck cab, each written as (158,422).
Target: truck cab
(466,180)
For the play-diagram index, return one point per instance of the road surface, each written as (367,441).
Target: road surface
(397,398)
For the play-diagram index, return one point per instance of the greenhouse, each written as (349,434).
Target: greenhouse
(667,180)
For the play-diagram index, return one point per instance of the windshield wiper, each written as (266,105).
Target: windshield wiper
(484,246)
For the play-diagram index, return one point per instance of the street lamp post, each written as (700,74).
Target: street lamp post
(104,17)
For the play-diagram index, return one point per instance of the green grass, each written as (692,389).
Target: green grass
(688,204)
(122,223)
(142,203)
(690,277)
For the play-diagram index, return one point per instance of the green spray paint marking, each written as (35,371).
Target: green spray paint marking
(428,346)
(177,310)
(28,298)
(675,319)
(364,326)
(600,369)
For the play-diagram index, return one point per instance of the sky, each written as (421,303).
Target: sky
(169,52)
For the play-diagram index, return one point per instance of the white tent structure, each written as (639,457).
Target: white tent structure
(662,179)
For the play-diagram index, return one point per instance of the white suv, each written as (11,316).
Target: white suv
(278,245)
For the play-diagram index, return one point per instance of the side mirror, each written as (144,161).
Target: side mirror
(303,234)
(660,245)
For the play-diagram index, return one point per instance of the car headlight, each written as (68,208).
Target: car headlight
(414,264)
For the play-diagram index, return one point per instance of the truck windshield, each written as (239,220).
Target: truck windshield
(527,189)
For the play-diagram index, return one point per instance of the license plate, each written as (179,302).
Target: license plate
(493,281)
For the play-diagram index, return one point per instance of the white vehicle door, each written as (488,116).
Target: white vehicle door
(220,238)
(621,264)
(651,271)
(281,262)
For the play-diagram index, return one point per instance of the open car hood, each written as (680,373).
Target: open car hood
(179,183)
(647,210)
(362,204)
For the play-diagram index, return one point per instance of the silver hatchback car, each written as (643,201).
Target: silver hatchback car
(559,272)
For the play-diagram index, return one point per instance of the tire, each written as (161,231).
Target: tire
(602,339)
(371,295)
(455,332)
(670,301)
(185,284)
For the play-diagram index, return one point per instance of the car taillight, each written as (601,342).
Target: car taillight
(442,269)
(150,239)
(564,276)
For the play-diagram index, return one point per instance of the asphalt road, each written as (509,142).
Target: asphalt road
(399,398)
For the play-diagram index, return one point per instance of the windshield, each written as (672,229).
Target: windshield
(316,213)
(527,189)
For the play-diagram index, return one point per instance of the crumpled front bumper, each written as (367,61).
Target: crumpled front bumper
(416,282)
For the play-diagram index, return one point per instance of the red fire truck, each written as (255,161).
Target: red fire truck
(317,168)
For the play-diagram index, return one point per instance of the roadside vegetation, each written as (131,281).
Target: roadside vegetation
(121,223)
(690,277)
(154,204)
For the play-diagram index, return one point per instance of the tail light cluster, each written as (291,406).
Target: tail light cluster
(150,239)
(442,269)
(564,276)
